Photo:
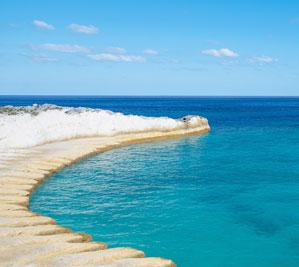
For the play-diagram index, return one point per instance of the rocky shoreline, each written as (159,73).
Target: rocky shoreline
(30,239)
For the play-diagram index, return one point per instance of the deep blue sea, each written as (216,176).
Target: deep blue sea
(229,198)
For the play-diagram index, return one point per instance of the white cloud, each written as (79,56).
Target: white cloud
(150,52)
(43,25)
(90,29)
(262,59)
(65,48)
(223,52)
(116,58)
(115,50)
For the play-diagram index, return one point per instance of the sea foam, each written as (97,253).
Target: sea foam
(27,126)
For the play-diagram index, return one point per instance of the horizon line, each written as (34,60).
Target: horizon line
(90,95)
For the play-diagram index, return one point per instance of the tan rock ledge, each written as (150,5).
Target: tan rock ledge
(30,239)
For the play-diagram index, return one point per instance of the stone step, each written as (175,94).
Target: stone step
(49,229)
(37,253)
(143,262)
(26,221)
(19,200)
(14,192)
(16,214)
(13,207)
(105,256)
(31,240)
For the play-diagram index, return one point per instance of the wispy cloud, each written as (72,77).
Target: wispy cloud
(116,57)
(230,62)
(39,57)
(223,52)
(13,25)
(87,29)
(150,52)
(115,50)
(43,25)
(294,21)
(43,58)
(262,59)
(64,48)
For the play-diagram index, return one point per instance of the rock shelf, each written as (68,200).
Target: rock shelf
(30,239)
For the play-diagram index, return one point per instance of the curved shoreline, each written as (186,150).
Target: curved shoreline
(30,239)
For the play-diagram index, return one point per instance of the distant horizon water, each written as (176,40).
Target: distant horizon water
(144,95)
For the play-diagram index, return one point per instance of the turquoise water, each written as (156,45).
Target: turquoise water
(229,198)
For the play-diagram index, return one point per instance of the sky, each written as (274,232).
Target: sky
(156,47)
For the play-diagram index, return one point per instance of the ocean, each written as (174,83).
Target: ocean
(229,198)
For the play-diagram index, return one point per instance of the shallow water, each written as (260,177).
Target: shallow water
(229,198)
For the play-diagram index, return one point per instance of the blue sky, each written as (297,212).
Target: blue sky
(149,47)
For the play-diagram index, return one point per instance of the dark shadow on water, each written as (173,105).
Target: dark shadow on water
(262,220)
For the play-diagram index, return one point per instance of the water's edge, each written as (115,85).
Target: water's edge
(32,238)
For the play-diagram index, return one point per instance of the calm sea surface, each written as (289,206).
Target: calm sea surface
(227,199)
